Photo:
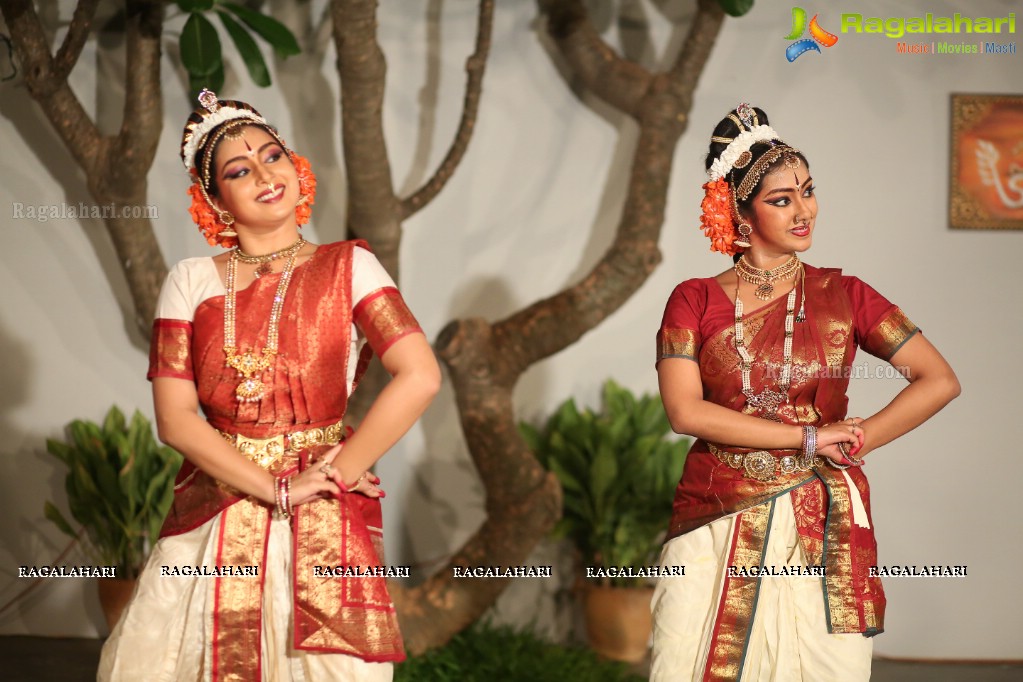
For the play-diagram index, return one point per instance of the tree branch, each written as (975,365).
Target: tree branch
(133,150)
(475,66)
(614,79)
(374,212)
(48,85)
(115,168)
(523,500)
(74,41)
(695,52)
(550,325)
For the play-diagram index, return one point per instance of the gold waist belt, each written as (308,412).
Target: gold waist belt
(764,466)
(266,452)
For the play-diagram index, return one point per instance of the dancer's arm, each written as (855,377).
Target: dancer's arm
(682,394)
(932,385)
(180,426)
(415,380)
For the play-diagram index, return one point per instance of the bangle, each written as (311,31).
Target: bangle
(845,457)
(287,496)
(809,444)
(282,496)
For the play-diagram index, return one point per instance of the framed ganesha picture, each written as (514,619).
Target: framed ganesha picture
(986,174)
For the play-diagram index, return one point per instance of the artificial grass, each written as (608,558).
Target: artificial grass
(485,653)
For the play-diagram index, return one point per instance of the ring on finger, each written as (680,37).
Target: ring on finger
(327,469)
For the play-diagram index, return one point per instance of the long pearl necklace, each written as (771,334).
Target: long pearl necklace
(767,401)
(251,365)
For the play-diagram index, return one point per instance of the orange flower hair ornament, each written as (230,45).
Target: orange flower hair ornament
(306,188)
(216,232)
(716,219)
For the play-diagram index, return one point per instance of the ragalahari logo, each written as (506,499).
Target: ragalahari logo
(818,35)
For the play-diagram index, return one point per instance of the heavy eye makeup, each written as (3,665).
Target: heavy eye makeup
(785,201)
(273,154)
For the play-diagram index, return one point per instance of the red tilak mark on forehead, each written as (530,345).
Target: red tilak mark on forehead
(247,145)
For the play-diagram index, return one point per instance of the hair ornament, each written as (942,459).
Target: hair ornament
(748,115)
(211,114)
(716,218)
(760,166)
(731,155)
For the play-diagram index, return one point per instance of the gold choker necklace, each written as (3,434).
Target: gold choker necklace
(264,261)
(251,365)
(765,279)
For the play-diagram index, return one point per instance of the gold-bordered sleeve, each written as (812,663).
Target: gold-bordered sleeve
(678,343)
(889,334)
(170,350)
(383,318)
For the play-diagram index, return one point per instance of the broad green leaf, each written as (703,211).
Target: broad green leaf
(212,81)
(271,30)
(736,8)
(113,422)
(248,49)
(53,514)
(195,5)
(200,46)
(60,450)
(568,481)
(602,474)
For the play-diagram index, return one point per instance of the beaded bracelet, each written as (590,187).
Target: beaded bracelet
(282,496)
(845,456)
(287,496)
(809,444)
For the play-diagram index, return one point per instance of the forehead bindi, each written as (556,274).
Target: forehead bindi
(784,180)
(243,146)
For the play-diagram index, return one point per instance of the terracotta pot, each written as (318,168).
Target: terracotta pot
(618,621)
(114,594)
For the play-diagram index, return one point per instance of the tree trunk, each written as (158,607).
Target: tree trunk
(117,166)
(485,359)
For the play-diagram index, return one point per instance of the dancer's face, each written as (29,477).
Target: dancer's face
(255,178)
(783,212)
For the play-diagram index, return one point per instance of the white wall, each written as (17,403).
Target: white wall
(531,208)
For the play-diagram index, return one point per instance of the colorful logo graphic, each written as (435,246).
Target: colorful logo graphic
(818,35)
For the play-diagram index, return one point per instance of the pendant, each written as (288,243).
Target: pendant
(767,402)
(765,291)
(249,367)
(263,269)
(250,390)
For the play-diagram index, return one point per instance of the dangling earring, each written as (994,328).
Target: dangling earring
(228,220)
(743,227)
(745,230)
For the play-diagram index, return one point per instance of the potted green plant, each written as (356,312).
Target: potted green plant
(618,468)
(119,484)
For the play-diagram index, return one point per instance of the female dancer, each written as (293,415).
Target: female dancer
(772,515)
(244,582)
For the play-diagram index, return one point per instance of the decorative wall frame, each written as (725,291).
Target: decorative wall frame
(986,170)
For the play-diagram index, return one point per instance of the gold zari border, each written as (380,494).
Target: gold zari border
(889,334)
(384,318)
(738,595)
(675,343)
(238,601)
